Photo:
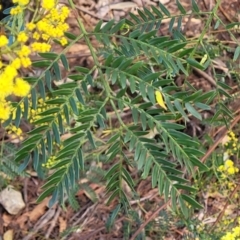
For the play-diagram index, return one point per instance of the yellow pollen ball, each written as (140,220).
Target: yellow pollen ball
(3,41)
(22,37)
(21,88)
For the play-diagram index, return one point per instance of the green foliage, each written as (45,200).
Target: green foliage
(138,62)
(8,168)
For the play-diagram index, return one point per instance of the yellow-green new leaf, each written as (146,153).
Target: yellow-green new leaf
(159,99)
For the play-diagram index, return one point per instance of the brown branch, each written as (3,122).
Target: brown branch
(149,220)
(206,76)
(53,222)
(224,208)
(225,14)
(93,233)
(225,130)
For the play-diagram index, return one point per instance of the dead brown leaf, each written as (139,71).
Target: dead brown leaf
(62,224)
(38,211)
(7,219)
(8,235)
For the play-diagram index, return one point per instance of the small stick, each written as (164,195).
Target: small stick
(53,223)
(224,208)
(149,220)
(212,148)
(206,76)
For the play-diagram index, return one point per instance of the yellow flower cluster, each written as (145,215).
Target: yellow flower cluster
(36,37)
(15,132)
(53,24)
(232,143)
(50,162)
(41,47)
(42,106)
(228,168)
(231,186)
(48,4)
(10,83)
(21,2)
(16,10)
(5,110)
(34,114)
(226,184)
(234,234)
(3,41)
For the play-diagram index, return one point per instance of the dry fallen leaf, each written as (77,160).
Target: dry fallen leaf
(8,235)
(39,210)
(22,220)
(62,224)
(7,219)
(122,5)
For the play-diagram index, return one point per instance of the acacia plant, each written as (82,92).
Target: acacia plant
(134,70)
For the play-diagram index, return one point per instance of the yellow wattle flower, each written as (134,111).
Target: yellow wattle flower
(21,88)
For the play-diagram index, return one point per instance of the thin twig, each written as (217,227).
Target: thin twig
(144,198)
(41,223)
(225,130)
(68,56)
(82,210)
(224,208)
(225,14)
(223,127)
(92,14)
(53,223)
(149,220)
(92,208)
(206,76)
(93,233)
(25,195)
